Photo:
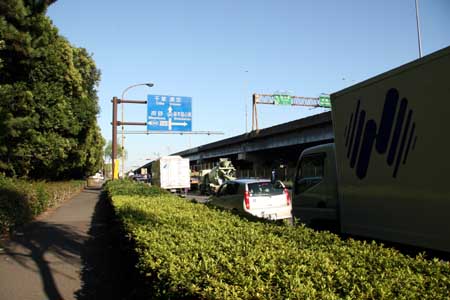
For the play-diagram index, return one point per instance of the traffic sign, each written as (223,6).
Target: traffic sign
(169,113)
(282,100)
(324,101)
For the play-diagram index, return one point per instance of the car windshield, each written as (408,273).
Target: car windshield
(265,188)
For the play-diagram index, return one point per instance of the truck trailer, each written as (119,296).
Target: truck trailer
(171,173)
(386,176)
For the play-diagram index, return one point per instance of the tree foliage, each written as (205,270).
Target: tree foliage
(108,151)
(48,107)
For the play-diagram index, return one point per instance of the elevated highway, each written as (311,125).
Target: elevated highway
(256,153)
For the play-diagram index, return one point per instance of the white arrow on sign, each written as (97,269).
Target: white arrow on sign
(176,124)
(168,123)
(179,124)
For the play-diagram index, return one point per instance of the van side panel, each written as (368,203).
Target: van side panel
(392,150)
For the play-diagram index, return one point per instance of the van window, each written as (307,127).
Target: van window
(310,172)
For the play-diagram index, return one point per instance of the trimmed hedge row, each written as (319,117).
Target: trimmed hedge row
(21,200)
(189,250)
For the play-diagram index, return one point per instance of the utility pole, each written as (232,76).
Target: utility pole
(419,38)
(246,108)
(115,123)
(254,112)
(114,137)
(149,84)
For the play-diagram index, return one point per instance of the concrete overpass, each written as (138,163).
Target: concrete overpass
(258,152)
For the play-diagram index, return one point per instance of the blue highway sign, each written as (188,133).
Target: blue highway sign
(169,113)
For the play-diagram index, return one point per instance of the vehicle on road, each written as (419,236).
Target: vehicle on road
(386,174)
(195,179)
(258,197)
(95,180)
(212,179)
(171,173)
(140,178)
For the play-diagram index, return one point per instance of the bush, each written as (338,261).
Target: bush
(21,201)
(188,250)
(128,187)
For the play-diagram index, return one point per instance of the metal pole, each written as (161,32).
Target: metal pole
(114,137)
(419,38)
(165,131)
(245,101)
(246,118)
(254,113)
(123,139)
(149,84)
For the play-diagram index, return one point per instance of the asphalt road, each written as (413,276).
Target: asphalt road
(65,254)
(197,197)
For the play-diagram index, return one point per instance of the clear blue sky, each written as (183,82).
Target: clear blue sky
(219,52)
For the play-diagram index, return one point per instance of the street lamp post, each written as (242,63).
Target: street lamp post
(149,84)
(419,38)
(245,100)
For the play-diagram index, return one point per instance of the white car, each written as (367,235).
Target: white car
(98,175)
(258,197)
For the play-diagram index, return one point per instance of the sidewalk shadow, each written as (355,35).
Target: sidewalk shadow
(42,239)
(99,257)
(109,260)
(108,270)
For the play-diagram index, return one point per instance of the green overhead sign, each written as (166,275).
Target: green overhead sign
(324,101)
(282,100)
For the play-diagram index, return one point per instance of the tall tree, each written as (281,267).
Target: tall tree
(108,151)
(48,107)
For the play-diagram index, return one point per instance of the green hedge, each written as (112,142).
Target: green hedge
(21,200)
(188,250)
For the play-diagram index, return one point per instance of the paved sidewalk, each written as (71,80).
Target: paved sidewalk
(53,258)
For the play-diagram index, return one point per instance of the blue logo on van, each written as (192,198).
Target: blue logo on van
(361,136)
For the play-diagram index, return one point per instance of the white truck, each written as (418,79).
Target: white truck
(171,173)
(387,175)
